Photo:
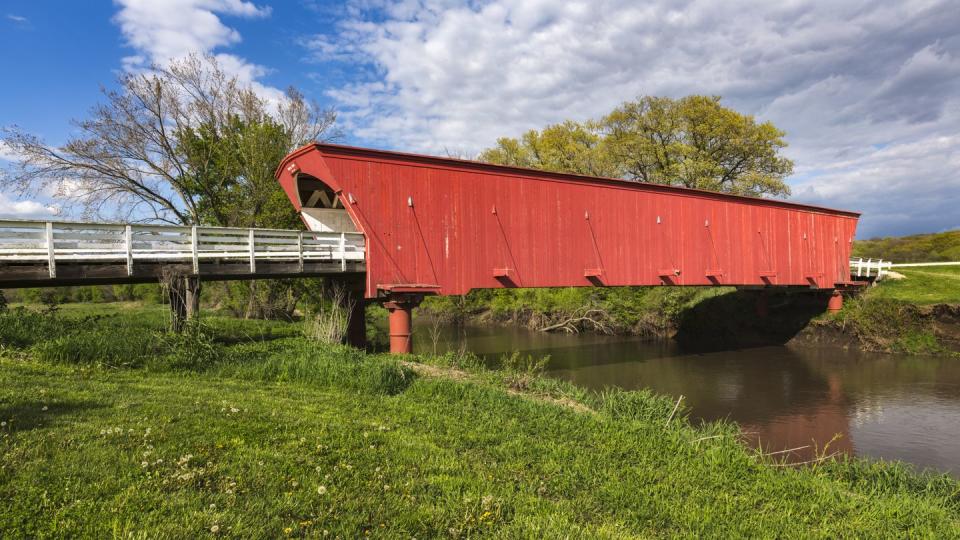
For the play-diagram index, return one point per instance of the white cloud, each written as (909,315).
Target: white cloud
(10,208)
(172,29)
(17,18)
(7,153)
(867,91)
(162,31)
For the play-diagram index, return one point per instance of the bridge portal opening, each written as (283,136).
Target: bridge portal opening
(321,207)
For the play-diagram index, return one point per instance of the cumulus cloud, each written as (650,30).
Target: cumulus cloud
(162,31)
(10,208)
(867,91)
(167,30)
(7,153)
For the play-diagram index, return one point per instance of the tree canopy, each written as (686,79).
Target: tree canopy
(693,142)
(185,143)
(188,144)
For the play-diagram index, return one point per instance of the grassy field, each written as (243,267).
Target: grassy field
(246,429)
(923,285)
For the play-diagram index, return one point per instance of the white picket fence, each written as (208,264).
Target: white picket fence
(867,268)
(53,242)
(878,268)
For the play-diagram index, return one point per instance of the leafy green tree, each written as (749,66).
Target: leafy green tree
(693,142)
(185,143)
(236,161)
(568,147)
(127,160)
(232,167)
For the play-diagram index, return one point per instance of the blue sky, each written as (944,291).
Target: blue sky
(59,55)
(867,91)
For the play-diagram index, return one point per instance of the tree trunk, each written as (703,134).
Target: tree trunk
(192,287)
(252,311)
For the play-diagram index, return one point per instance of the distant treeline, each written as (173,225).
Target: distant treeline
(148,293)
(917,248)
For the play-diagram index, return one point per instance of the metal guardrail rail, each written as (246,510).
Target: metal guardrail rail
(60,242)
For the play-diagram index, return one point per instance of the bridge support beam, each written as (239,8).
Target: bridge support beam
(401,322)
(356,307)
(357,323)
(347,292)
(762,304)
(183,293)
(191,285)
(835,303)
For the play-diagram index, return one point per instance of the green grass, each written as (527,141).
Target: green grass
(924,285)
(889,325)
(274,436)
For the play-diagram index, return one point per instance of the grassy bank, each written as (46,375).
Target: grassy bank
(919,314)
(925,285)
(265,434)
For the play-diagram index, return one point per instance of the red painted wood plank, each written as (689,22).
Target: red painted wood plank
(462,225)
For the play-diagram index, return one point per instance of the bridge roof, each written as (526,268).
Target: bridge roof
(521,172)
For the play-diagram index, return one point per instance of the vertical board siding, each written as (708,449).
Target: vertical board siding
(452,238)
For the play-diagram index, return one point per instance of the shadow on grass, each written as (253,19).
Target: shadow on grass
(29,415)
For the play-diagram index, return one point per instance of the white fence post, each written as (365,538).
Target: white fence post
(51,257)
(343,252)
(128,240)
(253,253)
(194,249)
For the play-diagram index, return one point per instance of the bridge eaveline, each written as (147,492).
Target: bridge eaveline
(412,225)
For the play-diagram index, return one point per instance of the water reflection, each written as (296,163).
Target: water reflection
(881,406)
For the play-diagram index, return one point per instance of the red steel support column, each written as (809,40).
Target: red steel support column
(835,303)
(401,322)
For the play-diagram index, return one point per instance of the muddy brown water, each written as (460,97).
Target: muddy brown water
(879,406)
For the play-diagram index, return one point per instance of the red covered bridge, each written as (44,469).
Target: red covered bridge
(446,226)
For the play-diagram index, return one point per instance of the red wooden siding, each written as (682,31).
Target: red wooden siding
(470,222)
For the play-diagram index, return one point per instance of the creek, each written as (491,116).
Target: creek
(880,406)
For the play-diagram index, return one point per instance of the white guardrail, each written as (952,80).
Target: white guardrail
(867,268)
(53,242)
(877,268)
